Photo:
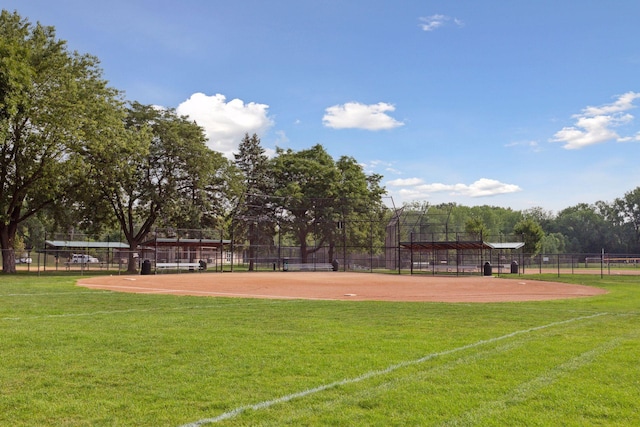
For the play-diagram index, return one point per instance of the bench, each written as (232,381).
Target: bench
(448,268)
(191,266)
(309,266)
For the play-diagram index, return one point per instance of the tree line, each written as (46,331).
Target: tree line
(76,153)
(583,228)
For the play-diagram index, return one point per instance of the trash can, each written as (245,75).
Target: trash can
(146,267)
(285,264)
(203,265)
(336,265)
(487,268)
(514,267)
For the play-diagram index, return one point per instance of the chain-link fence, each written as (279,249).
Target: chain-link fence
(181,250)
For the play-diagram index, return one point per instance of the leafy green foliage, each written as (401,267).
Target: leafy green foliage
(158,168)
(51,105)
(628,210)
(531,233)
(586,229)
(316,194)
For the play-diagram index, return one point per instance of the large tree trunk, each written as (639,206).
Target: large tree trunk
(132,264)
(332,246)
(304,251)
(7,239)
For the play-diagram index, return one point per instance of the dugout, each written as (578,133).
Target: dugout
(83,253)
(175,253)
(461,256)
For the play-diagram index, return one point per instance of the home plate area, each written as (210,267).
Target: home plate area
(343,286)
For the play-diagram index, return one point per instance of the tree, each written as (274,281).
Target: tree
(319,197)
(51,105)
(157,169)
(496,220)
(476,228)
(628,208)
(359,207)
(539,215)
(254,215)
(584,227)
(532,235)
(306,193)
(553,243)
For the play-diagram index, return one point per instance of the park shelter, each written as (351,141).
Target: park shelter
(185,250)
(461,256)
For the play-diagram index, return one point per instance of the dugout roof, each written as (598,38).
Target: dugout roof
(82,244)
(458,245)
(185,243)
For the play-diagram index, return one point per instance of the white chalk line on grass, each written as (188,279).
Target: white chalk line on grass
(439,369)
(268,403)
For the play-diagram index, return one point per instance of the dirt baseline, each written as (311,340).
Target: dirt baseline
(343,286)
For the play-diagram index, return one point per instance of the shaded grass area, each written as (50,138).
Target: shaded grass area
(77,357)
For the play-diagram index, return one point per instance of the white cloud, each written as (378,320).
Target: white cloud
(433,22)
(403,182)
(634,138)
(624,103)
(374,166)
(595,124)
(225,123)
(354,115)
(532,145)
(484,187)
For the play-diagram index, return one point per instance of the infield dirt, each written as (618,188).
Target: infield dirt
(343,286)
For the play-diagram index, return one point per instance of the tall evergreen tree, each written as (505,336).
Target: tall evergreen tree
(254,216)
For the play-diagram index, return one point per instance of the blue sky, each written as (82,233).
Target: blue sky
(507,103)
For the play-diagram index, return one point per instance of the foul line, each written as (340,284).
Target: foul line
(268,403)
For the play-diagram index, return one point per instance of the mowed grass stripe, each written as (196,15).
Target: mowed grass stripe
(489,409)
(435,381)
(427,380)
(372,374)
(138,310)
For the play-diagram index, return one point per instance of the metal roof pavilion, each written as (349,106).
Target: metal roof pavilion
(459,245)
(81,244)
(172,241)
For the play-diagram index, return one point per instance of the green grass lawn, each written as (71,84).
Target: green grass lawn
(70,356)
